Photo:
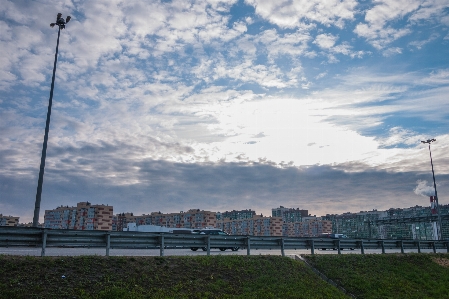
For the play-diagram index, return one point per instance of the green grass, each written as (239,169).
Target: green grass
(364,276)
(387,275)
(160,277)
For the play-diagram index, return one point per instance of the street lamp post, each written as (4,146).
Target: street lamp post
(60,22)
(439,228)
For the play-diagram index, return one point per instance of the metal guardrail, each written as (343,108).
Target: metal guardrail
(38,237)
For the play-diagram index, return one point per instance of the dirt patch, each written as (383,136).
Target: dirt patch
(441,261)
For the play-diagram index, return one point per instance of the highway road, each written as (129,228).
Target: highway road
(51,251)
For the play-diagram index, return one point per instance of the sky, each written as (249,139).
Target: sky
(225,105)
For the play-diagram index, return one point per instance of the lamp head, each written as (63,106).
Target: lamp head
(429,140)
(60,21)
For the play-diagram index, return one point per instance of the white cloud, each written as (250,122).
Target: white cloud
(290,14)
(431,11)
(392,51)
(377,30)
(399,136)
(387,10)
(379,38)
(325,41)
(389,20)
(321,75)
(437,77)
(420,44)
(294,44)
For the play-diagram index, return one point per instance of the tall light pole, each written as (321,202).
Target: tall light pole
(60,22)
(440,234)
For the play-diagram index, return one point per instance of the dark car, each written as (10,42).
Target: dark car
(334,236)
(212,231)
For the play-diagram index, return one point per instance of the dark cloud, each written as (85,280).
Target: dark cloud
(172,187)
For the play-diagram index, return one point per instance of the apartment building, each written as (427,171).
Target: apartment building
(381,225)
(193,218)
(356,225)
(258,225)
(121,220)
(9,220)
(308,227)
(289,214)
(422,230)
(84,216)
(63,217)
(236,214)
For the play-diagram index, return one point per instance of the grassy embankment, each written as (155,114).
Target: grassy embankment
(159,277)
(365,276)
(387,275)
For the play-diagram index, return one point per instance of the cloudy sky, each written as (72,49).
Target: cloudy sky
(221,105)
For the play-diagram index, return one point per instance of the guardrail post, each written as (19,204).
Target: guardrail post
(312,246)
(248,246)
(208,244)
(108,242)
(338,246)
(434,248)
(161,245)
(402,246)
(44,242)
(419,246)
(362,247)
(447,247)
(282,247)
(383,246)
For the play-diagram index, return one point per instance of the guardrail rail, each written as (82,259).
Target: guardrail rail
(43,238)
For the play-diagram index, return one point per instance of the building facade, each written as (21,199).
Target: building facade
(236,214)
(255,226)
(308,227)
(289,214)
(121,220)
(395,223)
(193,218)
(84,216)
(356,225)
(9,220)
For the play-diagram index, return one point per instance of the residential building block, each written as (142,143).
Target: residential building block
(289,214)
(256,226)
(9,220)
(236,214)
(193,218)
(84,216)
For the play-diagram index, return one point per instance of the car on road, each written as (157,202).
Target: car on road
(334,236)
(213,231)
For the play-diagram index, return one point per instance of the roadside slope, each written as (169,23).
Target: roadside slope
(387,275)
(160,277)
